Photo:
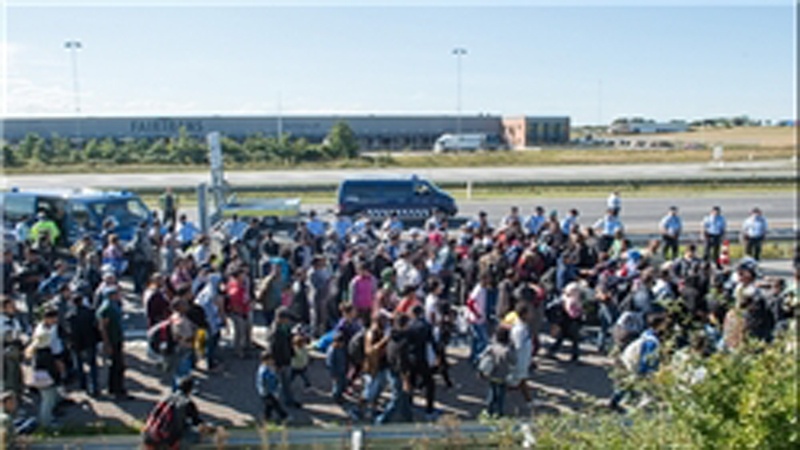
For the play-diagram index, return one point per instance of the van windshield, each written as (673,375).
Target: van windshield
(126,212)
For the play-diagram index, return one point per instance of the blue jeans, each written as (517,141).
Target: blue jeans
(88,356)
(183,366)
(480,339)
(212,344)
(400,401)
(339,385)
(491,306)
(496,399)
(49,397)
(374,385)
(285,375)
(608,315)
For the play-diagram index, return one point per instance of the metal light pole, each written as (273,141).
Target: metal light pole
(459,52)
(73,47)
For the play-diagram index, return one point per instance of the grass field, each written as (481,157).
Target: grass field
(545,157)
(774,137)
(327,196)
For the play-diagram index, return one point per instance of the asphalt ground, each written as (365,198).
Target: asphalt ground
(578,173)
(642,215)
(229,400)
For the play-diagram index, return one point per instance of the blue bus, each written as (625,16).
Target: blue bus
(409,197)
(77,212)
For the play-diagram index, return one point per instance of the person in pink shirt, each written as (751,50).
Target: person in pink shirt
(362,292)
(181,277)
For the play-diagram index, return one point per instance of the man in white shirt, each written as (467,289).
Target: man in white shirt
(754,230)
(407,273)
(614,202)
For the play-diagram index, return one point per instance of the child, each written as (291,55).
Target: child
(300,358)
(495,365)
(336,362)
(267,385)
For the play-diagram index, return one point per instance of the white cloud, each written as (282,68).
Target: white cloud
(28,97)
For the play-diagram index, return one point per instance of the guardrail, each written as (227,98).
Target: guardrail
(355,437)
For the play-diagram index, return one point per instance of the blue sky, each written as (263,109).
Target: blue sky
(591,60)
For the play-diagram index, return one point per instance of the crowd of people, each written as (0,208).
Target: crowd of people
(381,301)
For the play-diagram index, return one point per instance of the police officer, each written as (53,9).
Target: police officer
(44,225)
(754,230)
(713,227)
(608,226)
(670,227)
(533,224)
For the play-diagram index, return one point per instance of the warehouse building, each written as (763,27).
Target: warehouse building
(374,132)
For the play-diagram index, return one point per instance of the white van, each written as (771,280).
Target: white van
(454,142)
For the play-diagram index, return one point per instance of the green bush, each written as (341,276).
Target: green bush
(748,400)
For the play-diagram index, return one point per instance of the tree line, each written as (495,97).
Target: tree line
(714,122)
(32,150)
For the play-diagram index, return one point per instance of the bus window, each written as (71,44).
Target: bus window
(126,212)
(82,217)
(422,189)
(17,207)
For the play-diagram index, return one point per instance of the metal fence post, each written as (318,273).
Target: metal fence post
(202,207)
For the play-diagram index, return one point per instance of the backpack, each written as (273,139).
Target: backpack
(486,363)
(627,328)
(631,357)
(355,348)
(164,423)
(159,338)
(265,295)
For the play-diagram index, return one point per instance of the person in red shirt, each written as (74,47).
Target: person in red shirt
(408,302)
(240,305)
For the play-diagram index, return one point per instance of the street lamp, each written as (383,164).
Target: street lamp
(459,52)
(73,47)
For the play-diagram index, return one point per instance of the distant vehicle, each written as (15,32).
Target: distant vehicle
(467,142)
(410,197)
(78,212)
(272,212)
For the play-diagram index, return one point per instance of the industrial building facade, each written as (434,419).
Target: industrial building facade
(374,132)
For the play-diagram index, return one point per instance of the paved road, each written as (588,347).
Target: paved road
(641,215)
(572,172)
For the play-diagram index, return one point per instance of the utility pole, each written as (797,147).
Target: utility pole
(459,52)
(280,118)
(73,46)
